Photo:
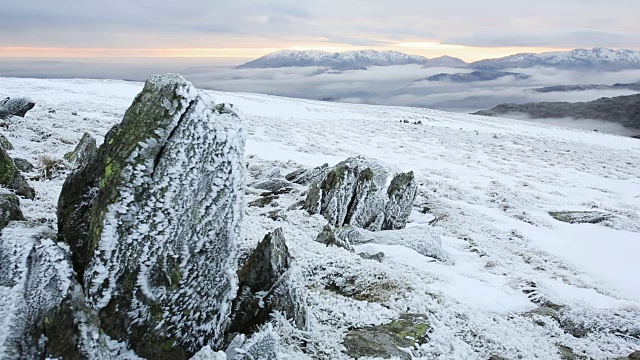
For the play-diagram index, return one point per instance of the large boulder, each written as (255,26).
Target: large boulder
(15,107)
(9,209)
(84,151)
(153,221)
(268,284)
(11,178)
(354,193)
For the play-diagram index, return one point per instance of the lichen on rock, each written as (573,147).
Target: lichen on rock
(153,220)
(11,178)
(83,152)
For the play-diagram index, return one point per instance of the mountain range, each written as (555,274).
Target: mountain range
(596,58)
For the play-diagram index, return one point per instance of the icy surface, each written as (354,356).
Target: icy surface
(488,185)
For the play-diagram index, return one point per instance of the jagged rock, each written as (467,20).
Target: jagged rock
(83,152)
(153,221)
(267,284)
(580,217)
(263,201)
(385,340)
(308,176)
(11,178)
(328,237)
(15,107)
(9,209)
(401,192)
(353,193)
(5,143)
(23,165)
(272,185)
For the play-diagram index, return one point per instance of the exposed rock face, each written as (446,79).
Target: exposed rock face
(620,109)
(580,217)
(5,143)
(153,221)
(83,152)
(308,176)
(9,209)
(23,165)
(384,340)
(353,193)
(11,178)
(15,107)
(272,185)
(267,284)
(328,237)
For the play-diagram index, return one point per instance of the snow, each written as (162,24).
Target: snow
(488,184)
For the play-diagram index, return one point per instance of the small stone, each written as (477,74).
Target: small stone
(83,152)
(328,237)
(377,257)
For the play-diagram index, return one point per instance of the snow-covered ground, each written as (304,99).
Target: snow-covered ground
(489,182)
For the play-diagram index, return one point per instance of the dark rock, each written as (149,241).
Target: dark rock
(15,107)
(385,340)
(580,217)
(353,193)
(153,232)
(328,237)
(84,151)
(264,345)
(281,191)
(271,184)
(263,201)
(23,165)
(5,143)
(496,357)
(9,209)
(11,178)
(308,176)
(566,353)
(633,356)
(266,285)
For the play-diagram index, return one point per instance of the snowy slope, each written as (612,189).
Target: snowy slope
(596,58)
(489,182)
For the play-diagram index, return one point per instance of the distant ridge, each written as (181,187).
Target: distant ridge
(579,59)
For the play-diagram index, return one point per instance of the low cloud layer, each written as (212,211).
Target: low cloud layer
(394,85)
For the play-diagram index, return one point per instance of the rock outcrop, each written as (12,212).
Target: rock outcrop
(353,193)
(308,176)
(9,209)
(267,284)
(328,237)
(11,178)
(15,107)
(153,221)
(580,217)
(5,143)
(84,151)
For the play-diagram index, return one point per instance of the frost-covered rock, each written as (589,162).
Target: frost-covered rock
(11,178)
(153,221)
(23,165)
(15,107)
(328,237)
(268,284)
(83,152)
(353,193)
(271,184)
(264,345)
(393,340)
(9,209)
(401,192)
(580,217)
(5,143)
(308,176)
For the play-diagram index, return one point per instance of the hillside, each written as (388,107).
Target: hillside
(624,110)
(522,242)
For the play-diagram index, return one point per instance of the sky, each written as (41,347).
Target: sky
(468,29)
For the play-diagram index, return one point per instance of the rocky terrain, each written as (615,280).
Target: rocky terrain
(624,110)
(152,221)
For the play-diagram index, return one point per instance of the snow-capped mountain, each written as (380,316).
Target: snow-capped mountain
(596,58)
(349,60)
